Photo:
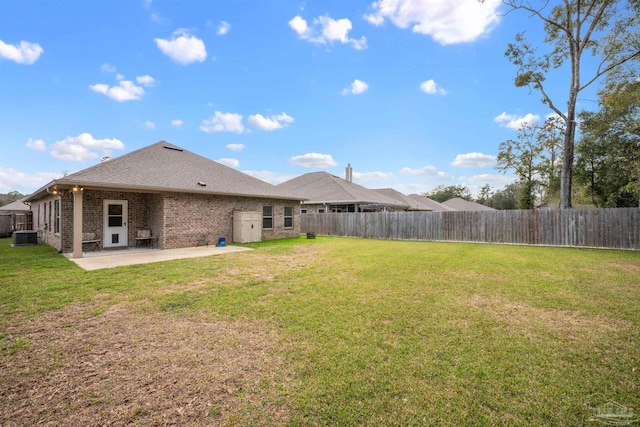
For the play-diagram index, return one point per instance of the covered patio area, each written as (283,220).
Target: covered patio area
(131,256)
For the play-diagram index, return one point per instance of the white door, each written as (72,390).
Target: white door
(115,223)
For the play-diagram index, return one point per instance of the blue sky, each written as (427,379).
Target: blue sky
(413,94)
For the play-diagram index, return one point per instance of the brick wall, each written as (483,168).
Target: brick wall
(190,216)
(176,219)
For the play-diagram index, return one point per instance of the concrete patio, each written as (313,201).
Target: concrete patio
(117,258)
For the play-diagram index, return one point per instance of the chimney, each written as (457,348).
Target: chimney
(348,173)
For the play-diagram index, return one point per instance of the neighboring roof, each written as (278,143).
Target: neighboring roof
(465,205)
(322,187)
(166,167)
(414,205)
(18,205)
(429,204)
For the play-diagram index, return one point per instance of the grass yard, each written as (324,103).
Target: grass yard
(331,331)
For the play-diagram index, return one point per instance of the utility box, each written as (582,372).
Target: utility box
(25,238)
(247,226)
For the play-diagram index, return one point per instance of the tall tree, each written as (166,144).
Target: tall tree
(605,29)
(484,195)
(608,153)
(507,198)
(523,156)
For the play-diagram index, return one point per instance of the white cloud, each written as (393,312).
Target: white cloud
(183,48)
(36,144)
(23,53)
(14,180)
(232,163)
(149,125)
(235,147)
(272,123)
(83,147)
(446,21)
(108,68)
(512,121)
(223,122)
(473,160)
(177,122)
(326,31)
(313,160)
(125,91)
(145,80)
(299,25)
(223,28)
(372,176)
(356,88)
(432,88)
(429,171)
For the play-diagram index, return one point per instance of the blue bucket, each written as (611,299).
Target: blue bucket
(221,242)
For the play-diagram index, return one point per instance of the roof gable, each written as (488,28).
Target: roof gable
(322,187)
(429,204)
(465,205)
(17,205)
(166,167)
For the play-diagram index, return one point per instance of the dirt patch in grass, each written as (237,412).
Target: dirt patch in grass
(121,367)
(540,324)
(630,267)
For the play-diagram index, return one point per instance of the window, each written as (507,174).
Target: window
(303,211)
(320,210)
(56,216)
(267,217)
(288,217)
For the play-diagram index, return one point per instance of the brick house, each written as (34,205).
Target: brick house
(326,193)
(178,195)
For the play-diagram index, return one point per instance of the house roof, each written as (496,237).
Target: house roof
(429,204)
(18,205)
(322,187)
(414,205)
(168,168)
(465,205)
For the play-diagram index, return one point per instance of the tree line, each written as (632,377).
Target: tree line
(578,156)
(10,197)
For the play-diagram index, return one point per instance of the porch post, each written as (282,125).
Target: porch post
(77,224)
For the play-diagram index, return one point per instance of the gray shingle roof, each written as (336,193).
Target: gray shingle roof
(18,205)
(166,167)
(429,204)
(414,205)
(464,205)
(322,187)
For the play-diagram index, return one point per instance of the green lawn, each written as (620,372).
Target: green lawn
(375,332)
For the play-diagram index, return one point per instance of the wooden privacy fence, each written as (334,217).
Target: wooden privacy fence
(5,225)
(599,228)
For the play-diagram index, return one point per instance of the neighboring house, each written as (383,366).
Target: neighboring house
(459,204)
(178,195)
(329,193)
(14,216)
(429,205)
(413,204)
